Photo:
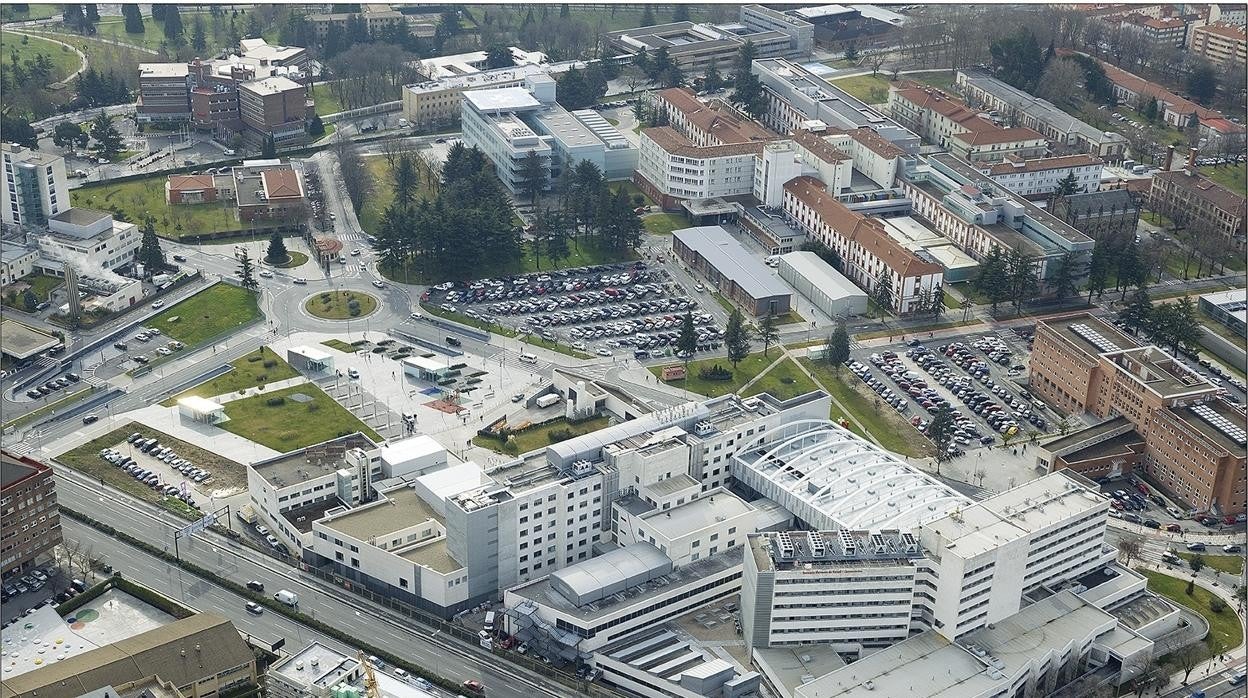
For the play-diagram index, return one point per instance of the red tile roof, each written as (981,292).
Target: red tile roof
(999,135)
(717,118)
(1041,164)
(818,146)
(1224,30)
(1139,85)
(187,183)
(281,184)
(674,142)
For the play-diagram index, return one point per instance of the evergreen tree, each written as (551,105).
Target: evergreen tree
(150,255)
(199,39)
(941,432)
(1136,315)
(993,279)
(246,271)
(91,13)
(851,52)
(108,140)
(1067,185)
(687,340)
(837,353)
(1064,277)
(564,11)
(17,129)
(747,89)
(1021,272)
(497,55)
(173,25)
(269,149)
(69,135)
(769,332)
(30,302)
(277,253)
(711,80)
(406,180)
(1202,82)
(647,16)
(557,237)
(72,17)
(316,128)
(882,294)
(133,17)
(533,176)
(736,338)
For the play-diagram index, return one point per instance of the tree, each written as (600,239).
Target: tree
(1098,270)
(199,39)
(747,89)
(316,127)
(1021,271)
(498,56)
(246,272)
(30,302)
(70,136)
(993,279)
(17,129)
(1017,59)
(1188,657)
(851,52)
(647,16)
(1197,563)
(941,432)
(150,255)
(533,176)
(680,14)
(277,253)
(1064,277)
(712,80)
(837,352)
(108,140)
(1137,315)
(1202,82)
(687,340)
(1067,185)
(1129,548)
(736,338)
(268,149)
(882,294)
(134,18)
(769,332)
(173,25)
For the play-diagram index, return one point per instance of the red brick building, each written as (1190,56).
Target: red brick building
(30,523)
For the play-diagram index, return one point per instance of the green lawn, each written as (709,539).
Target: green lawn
(789,318)
(604,18)
(141,197)
(1233,177)
(295,259)
(257,368)
(40,284)
(335,305)
(1225,632)
(114,28)
(872,90)
(943,81)
(539,437)
(8,14)
(632,191)
(951,303)
(339,345)
(583,255)
(207,314)
(383,193)
(784,381)
(1229,564)
(556,346)
(326,102)
(27,48)
(292,424)
(887,428)
(918,329)
(465,320)
(663,223)
(747,369)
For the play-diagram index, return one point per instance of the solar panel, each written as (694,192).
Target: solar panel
(1232,431)
(1093,337)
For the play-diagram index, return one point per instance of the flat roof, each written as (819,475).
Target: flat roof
(502,99)
(791,667)
(80,216)
(426,363)
(433,555)
(22,342)
(402,508)
(1085,340)
(411,448)
(731,259)
(822,276)
(316,665)
(200,404)
(164,70)
(311,353)
(271,85)
(611,572)
(314,461)
(1235,296)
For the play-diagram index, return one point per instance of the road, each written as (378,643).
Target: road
(371,624)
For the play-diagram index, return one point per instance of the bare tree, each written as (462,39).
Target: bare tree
(1129,548)
(356,179)
(1060,84)
(876,61)
(1187,658)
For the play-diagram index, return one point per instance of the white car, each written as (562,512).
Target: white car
(158,305)
(355,252)
(353,373)
(265,273)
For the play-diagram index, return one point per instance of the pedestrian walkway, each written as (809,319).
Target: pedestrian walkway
(258,390)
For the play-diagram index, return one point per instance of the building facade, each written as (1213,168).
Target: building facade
(32,521)
(273,107)
(1039,178)
(1099,214)
(729,267)
(1221,43)
(35,186)
(971,135)
(89,240)
(1200,204)
(696,46)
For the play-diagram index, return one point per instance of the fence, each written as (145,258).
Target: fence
(451,326)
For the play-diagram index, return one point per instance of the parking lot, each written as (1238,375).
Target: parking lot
(1136,501)
(601,309)
(21,593)
(160,467)
(974,376)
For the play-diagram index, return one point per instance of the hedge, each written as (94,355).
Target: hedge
(144,594)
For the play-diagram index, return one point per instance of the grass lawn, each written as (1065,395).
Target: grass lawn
(335,305)
(27,48)
(632,191)
(872,90)
(292,424)
(601,18)
(951,302)
(663,223)
(8,14)
(326,102)
(295,259)
(789,318)
(383,193)
(141,197)
(539,437)
(1225,632)
(257,368)
(1233,177)
(747,369)
(1230,564)
(206,314)
(339,345)
(723,302)
(51,406)
(583,255)
(153,31)
(885,426)
(40,284)
(555,346)
(943,81)
(784,381)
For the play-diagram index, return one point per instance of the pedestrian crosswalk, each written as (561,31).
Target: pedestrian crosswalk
(350,236)
(512,359)
(21,448)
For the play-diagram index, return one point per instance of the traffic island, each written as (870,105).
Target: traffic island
(293,259)
(341,305)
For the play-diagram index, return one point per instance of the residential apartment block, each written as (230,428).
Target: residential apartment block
(35,186)
(1198,203)
(1066,132)
(1083,364)
(32,522)
(1158,32)
(971,135)
(1221,43)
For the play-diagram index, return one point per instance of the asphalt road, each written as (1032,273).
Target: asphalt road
(323,603)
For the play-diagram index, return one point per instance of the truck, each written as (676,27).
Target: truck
(289,598)
(247,514)
(547,400)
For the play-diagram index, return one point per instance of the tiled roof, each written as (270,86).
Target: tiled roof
(1139,85)
(181,183)
(716,118)
(281,184)
(674,142)
(819,146)
(1222,125)
(1204,188)
(867,232)
(875,143)
(1225,30)
(1042,164)
(998,135)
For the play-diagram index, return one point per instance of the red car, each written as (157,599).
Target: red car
(1142,488)
(474,685)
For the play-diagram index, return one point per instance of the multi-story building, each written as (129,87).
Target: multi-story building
(978,214)
(32,522)
(1038,178)
(35,186)
(16,261)
(89,241)
(275,107)
(438,102)
(728,266)
(695,46)
(869,255)
(1229,308)
(1099,214)
(1019,108)
(1192,448)
(375,17)
(258,189)
(969,134)
(164,92)
(1157,31)
(460,64)
(797,97)
(508,124)
(848,589)
(1200,204)
(315,671)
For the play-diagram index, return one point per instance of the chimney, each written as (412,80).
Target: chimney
(1169,159)
(1191,159)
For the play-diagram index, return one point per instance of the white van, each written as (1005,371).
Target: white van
(489,622)
(401,673)
(529,358)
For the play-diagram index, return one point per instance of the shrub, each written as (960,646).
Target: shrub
(275,401)
(556,435)
(353,304)
(324,297)
(354,311)
(270,363)
(253,359)
(511,447)
(1217,605)
(715,373)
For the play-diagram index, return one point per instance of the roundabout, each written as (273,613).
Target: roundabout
(293,259)
(341,305)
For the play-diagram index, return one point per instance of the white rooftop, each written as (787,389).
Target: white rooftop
(201,405)
(454,479)
(410,449)
(426,363)
(163,70)
(311,353)
(707,510)
(272,85)
(502,99)
(822,275)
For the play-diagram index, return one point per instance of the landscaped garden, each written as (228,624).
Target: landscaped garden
(257,368)
(341,305)
(539,436)
(717,376)
(292,418)
(207,314)
(138,198)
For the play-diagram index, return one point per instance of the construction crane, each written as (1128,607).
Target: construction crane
(370,681)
